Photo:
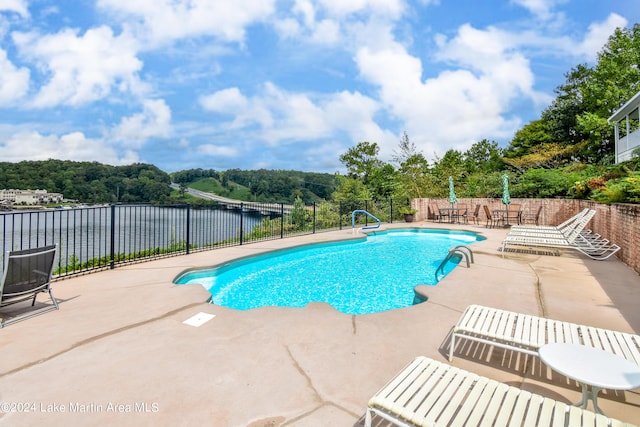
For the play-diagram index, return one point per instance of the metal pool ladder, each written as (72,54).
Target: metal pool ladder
(367,227)
(462,251)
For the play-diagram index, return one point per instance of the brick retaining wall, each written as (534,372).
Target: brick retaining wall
(617,222)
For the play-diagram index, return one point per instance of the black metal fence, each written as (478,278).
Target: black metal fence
(99,237)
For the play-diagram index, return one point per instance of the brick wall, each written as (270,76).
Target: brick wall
(617,222)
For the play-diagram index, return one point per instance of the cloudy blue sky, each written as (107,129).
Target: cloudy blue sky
(282,84)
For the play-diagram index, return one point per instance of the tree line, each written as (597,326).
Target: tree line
(89,182)
(267,185)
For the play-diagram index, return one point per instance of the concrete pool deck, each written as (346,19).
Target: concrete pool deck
(118,353)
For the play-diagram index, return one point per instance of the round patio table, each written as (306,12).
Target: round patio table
(454,213)
(592,367)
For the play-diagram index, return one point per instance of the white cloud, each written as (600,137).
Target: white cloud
(284,117)
(326,32)
(457,107)
(81,68)
(323,157)
(217,151)
(226,101)
(295,117)
(491,54)
(598,35)
(307,10)
(390,8)
(541,8)
(72,146)
(17,6)
(232,102)
(353,113)
(337,23)
(14,82)
(154,121)
(163,21)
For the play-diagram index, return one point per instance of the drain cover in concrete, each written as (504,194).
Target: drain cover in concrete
(199,319)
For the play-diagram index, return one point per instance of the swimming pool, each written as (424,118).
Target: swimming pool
(368,275)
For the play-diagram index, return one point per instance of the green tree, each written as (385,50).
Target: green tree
(526,139)
(361,160)
(350,189)
(547,156)
(544,183)
(298,214)
(483,157)
(383,182)
(559,118)
(88,181)
(413,169)
(614,80)
(451,164)
(591,94)
(616,76)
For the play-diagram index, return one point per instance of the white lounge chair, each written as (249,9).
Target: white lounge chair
(526,333)
(598,252)
(431,393)
(570,238)
(560,226)
(564,229)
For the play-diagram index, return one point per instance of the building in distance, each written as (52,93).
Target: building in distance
(29,197)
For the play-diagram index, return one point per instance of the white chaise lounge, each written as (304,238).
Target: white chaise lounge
(431,393)
(526,333)
(570,237)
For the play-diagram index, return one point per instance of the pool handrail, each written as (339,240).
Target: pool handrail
(367,227)
(462,251)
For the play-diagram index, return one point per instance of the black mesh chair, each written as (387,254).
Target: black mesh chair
(27,273)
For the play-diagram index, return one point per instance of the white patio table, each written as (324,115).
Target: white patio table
(591,367)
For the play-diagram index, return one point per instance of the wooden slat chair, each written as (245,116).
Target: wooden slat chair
(476,215)
(431,393)
(26,274)
(491,221)
(435,212)
(514,215)
(462,214)
(533,218)
(438,215)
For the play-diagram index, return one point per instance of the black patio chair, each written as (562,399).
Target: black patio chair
(27,273)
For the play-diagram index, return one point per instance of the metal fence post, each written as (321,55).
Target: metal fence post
(391,211)
(366,217)
(241,223)
(113,237)
(282,220)
(188,240)
(314,218)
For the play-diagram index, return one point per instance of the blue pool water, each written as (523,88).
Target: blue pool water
(368,275)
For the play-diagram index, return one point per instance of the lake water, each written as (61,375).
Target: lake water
(85,233)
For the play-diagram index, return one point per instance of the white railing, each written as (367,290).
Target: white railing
(627,144)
